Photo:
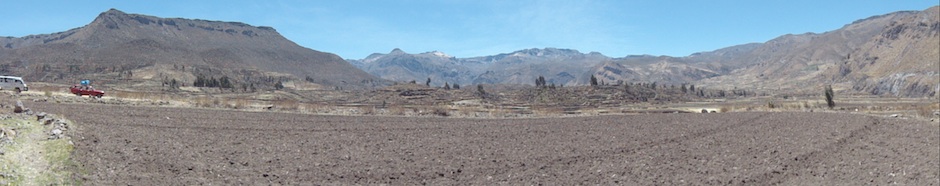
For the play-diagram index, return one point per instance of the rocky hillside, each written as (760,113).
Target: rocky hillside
(892,54)
(131,47)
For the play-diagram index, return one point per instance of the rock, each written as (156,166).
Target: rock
(894,115)
(18,108)
(704,111)
(937,113)
(40,116)
(56,131)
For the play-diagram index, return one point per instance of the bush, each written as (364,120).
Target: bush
(278,85)
(593,80)
(441,112)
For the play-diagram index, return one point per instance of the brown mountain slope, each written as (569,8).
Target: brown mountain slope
(904,59)
(895,53)
(117,45)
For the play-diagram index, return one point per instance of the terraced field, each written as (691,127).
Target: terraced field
(119,145)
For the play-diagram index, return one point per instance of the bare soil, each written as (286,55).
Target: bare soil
(134,145)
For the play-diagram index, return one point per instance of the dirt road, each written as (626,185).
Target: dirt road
(120,145)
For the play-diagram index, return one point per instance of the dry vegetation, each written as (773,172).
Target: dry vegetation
(504,101)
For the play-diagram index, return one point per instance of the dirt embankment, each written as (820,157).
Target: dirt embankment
(178,146)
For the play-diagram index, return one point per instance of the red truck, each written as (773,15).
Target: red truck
(86,90)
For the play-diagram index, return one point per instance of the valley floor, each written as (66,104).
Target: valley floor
(135,145)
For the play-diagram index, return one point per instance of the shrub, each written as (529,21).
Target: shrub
(441,112)
(278,85)
(593,80)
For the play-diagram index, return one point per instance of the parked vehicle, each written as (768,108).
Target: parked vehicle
(80,90)
(13,83)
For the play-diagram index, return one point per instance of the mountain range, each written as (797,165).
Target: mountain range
(893,54)
(118,47)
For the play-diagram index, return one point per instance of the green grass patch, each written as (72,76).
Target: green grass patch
(59,155)
(32,159)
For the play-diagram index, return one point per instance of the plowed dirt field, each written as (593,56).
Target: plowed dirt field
(125,145)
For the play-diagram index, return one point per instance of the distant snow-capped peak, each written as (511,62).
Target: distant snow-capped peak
(440,54)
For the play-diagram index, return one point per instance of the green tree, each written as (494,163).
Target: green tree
(428,83)
(200,81)
(593,80)
(829,95)
(540,82)
(481,91)
(225,83)
(174,84)
(278,85)
(213,82)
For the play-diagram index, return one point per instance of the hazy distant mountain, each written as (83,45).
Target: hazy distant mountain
(116,44)
(561,66)
(558,66)
(896,54)
(400,66)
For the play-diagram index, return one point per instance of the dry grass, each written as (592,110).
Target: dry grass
(288,105)
(205,102)
(927,111)
(138,95)
(238,103)
(440,112)
(368,110)
(45,88)
(397,110)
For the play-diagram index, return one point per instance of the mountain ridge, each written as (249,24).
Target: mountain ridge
(117,43)
(802,62)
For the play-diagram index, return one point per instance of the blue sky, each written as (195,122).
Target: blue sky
(468,28)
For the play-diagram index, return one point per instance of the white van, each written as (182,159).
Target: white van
(13,83)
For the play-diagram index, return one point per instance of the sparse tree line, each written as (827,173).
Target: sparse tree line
(249,81)
(447,85)
(542,84)
(222,82)
(639,91)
